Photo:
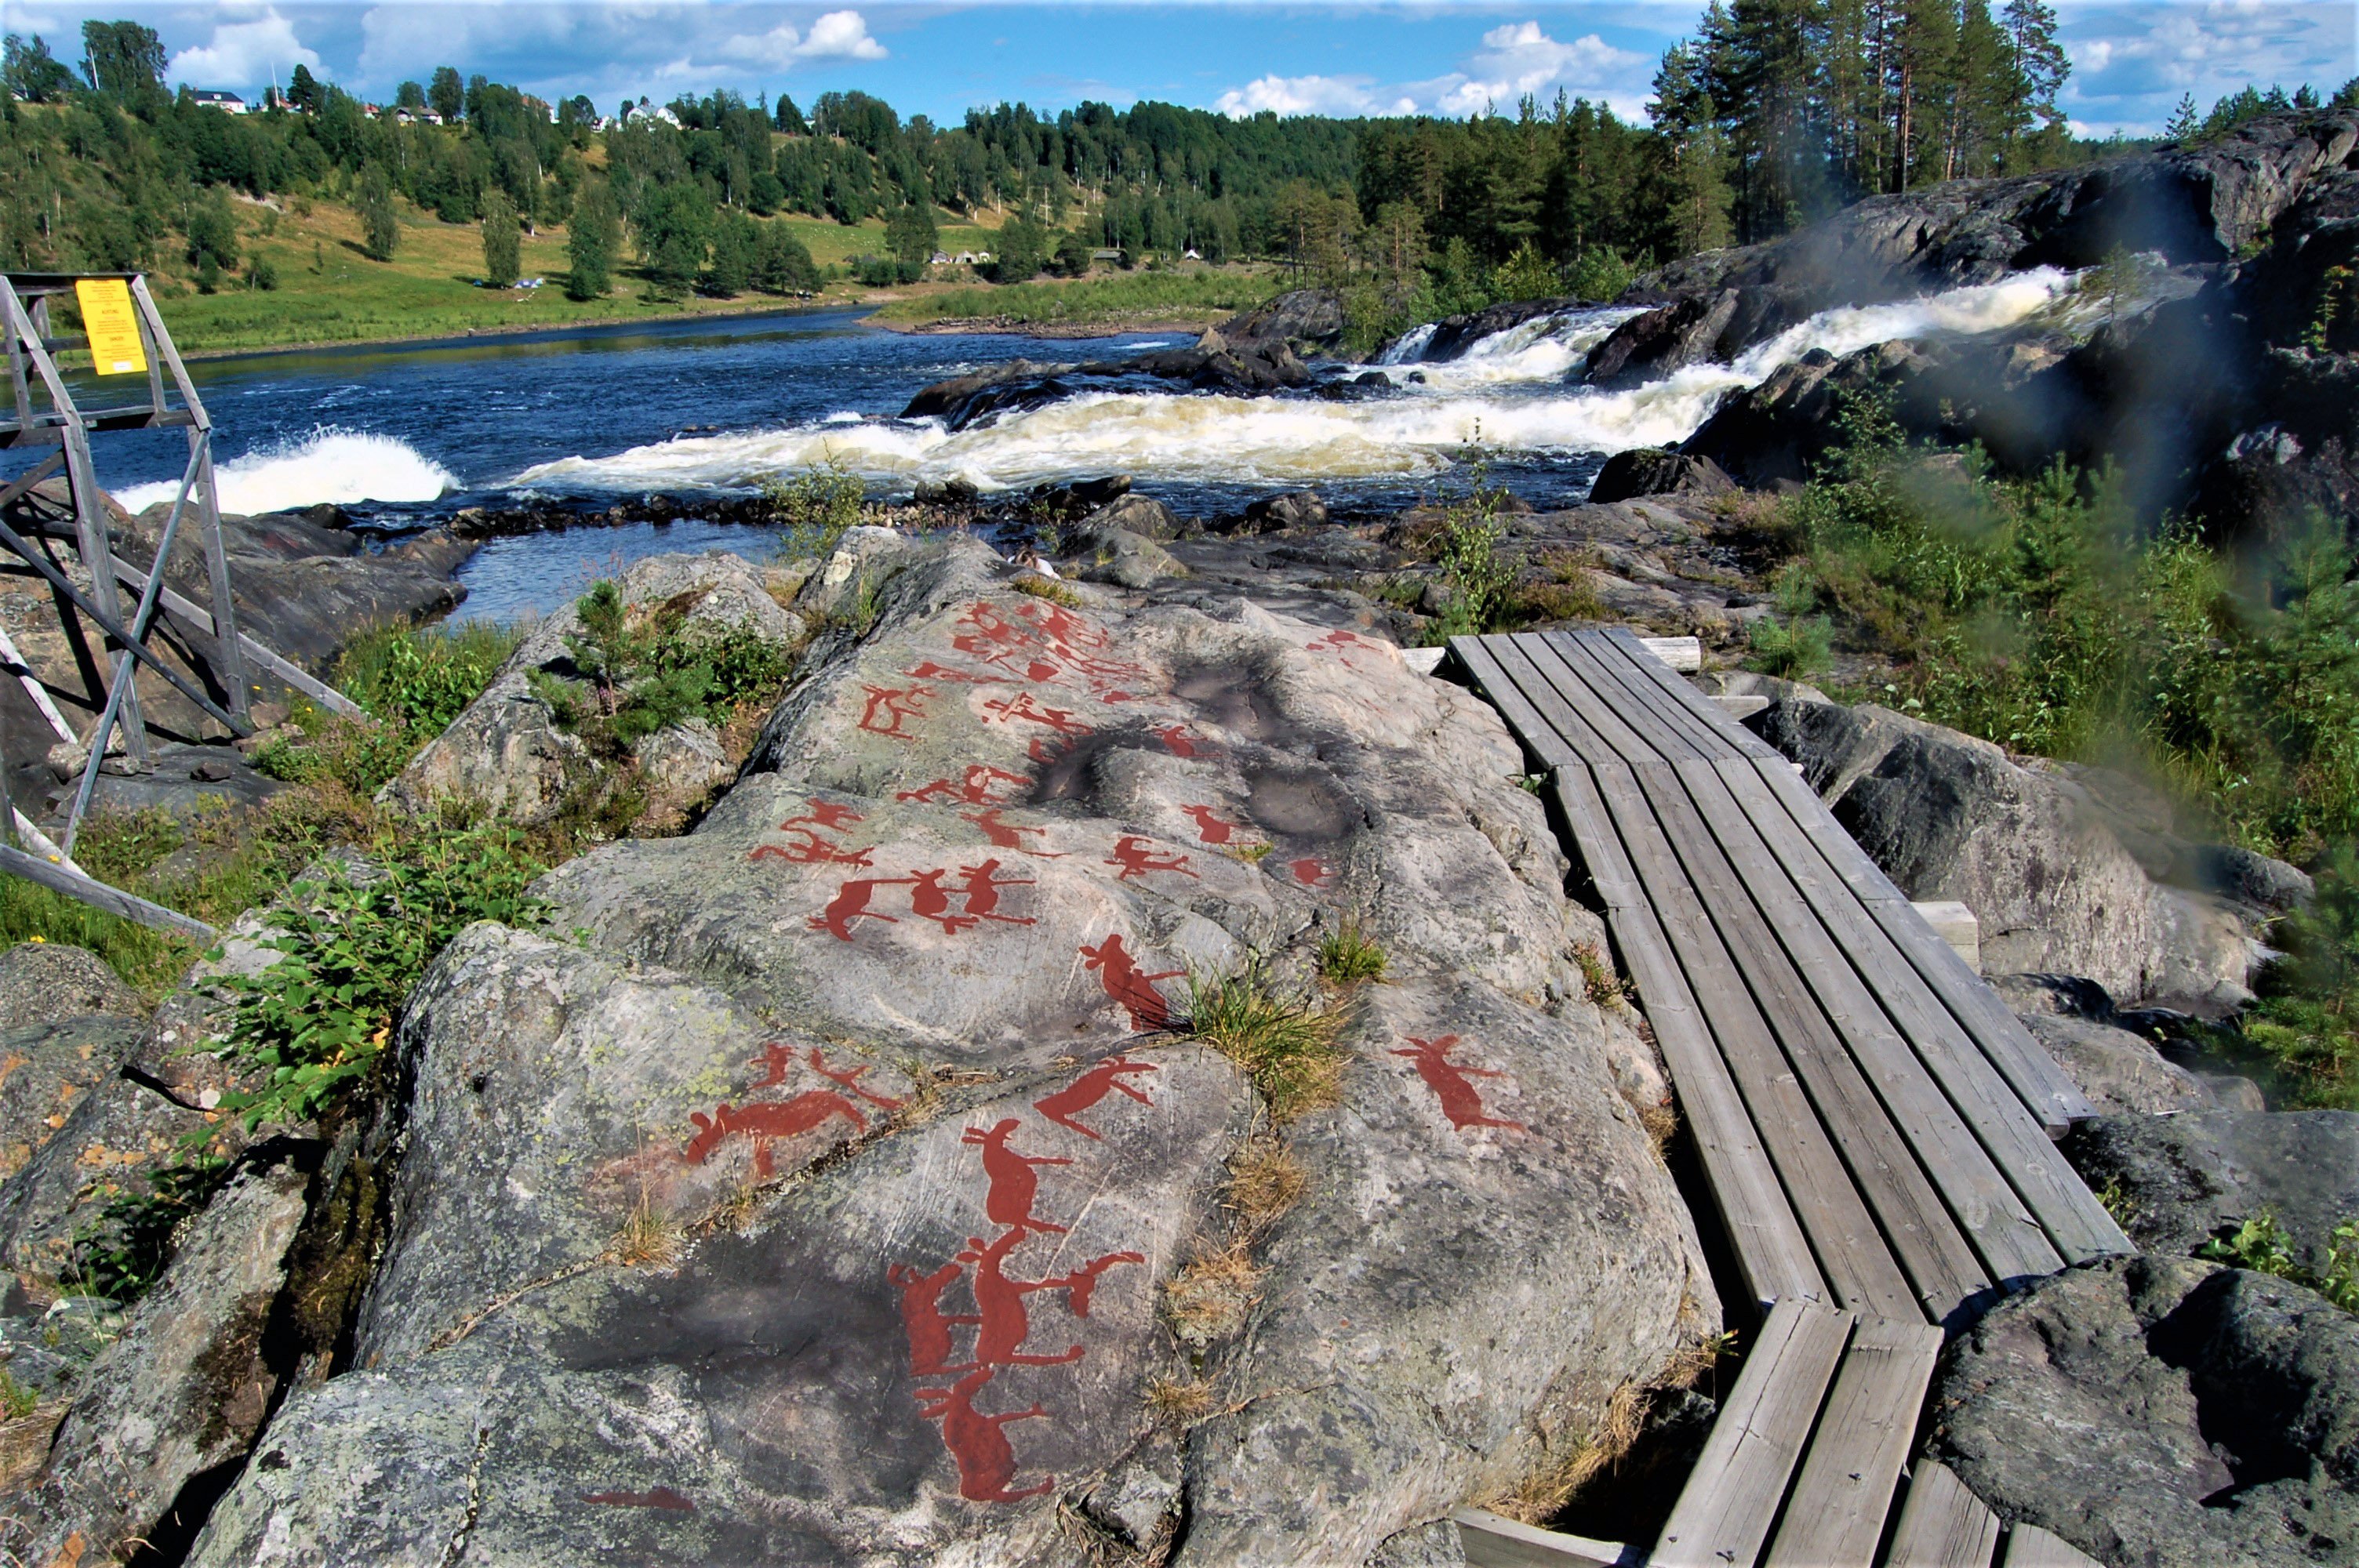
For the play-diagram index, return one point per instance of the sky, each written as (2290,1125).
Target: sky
(2132,60)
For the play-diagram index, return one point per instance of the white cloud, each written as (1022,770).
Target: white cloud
(839,35)
(243,53)
(1514,60)
(1310,95)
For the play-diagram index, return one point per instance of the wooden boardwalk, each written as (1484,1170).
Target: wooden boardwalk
(1874,1126)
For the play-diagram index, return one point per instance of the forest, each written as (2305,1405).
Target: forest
(1775,112)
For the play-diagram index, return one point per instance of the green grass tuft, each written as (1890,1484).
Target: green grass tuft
(1286,1045)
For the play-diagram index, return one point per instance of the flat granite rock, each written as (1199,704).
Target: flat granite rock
(847,1189)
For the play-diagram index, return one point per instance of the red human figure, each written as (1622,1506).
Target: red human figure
(1015,1184)
(1310,872)
(986,1460)
(1022,706)
(921,1314)
(809,850)
(1008,835)
(999,1303)
(847,1080)
(824,815)
(1131,853)
(768,1120)
(1120,974)
(980,890)
(988,637)
(974,790)
(893,704)
(1209,828)
(851,904)
(774,1061)
(1175,741)
(1452,1083)
(1092,1087)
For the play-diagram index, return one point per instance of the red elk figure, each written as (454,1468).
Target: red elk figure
(1209,828)
(1022,706)
(825,814)
(1092,1087)
(932,671)
(973,790)
(921,1314)
(1014,1184)
(846,1079)
(999,1300)
(981,890)
(851,904)
(768,1120)
(892,704)
(1176,740)
(1131,853)
(1124,982)
(986,1460)
(1452,1084)
(1310,872)
(1008,835)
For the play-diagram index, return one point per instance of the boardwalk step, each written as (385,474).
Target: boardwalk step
(1494,1540)
(1942,1525)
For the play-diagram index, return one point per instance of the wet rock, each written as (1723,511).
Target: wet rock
(182,1392)
(853,1185)
(1140,514)
(1660,341)
(1453,335)
(1305,318)
(1652,470)
(1776,432)
(1118,556)
(1948,817)
(2117,1070)
(44,982)
(1292,509)
(507,753)
(2185,1179)
(963,399)
(2161,1411)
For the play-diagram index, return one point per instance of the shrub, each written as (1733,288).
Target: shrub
(647,669)
(1347,957)
(817,507)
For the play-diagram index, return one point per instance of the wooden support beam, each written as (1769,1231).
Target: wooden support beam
(98,895)
(286,669)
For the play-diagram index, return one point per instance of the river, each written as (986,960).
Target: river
(403,435)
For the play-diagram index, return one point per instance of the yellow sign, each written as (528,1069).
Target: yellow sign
(113,327)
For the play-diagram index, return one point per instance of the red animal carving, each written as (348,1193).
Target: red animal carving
(1022,706)
(986,1461)
(980,890)
(1092,1087)
(1452,1084)
(809,850)
(1310,872)
(932,671)
(1123,981)
(1341,644)
(1175,741)
(848,1079)
(999,1300)
(975,790)
(1015,1184)
(893,704)
(1209,828)
(921,1314)
(774,1061)
(1008,835)
(826,814)
(1131,853)
(851,904)
(766,1121)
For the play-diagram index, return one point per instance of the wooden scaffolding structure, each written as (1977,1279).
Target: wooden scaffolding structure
(126,337)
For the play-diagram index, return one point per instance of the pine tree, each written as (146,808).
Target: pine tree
(500,241)
(2184,121)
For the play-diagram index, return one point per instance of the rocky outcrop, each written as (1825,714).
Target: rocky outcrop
(856,1180)
(1662,340)
(2117,1070)
(2184,1180)
(2028,850)
(1651,470)
(49,982)
(508,754)
(1453,335)
(2164,1412)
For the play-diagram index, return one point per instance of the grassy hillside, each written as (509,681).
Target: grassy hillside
(1197,296)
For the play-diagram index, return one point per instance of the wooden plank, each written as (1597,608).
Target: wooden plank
(15,666)
(2028,1546)
(1771,1249)
(1576,729)
(1538,737)
(1608,662)
(98,895)
(1942,1525)
(1494,1540)
(2004,1233)
(1844,1491)
(1859,1269)
(1725,1510)
(2018,1146)
(1631,727)
(1716,717)
(30,832)
(1864,877)
(277,664)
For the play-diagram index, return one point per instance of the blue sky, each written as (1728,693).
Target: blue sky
(2133,58)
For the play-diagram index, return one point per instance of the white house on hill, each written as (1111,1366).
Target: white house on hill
(214,98)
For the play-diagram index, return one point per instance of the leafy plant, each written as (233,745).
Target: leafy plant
(17,1402)
(1797,645)
(816,506)
(644,671)
(1465,546)
(125,1250)
(2260,1244)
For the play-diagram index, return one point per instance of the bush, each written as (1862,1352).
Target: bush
(645,671)
(413,681)
(816,506)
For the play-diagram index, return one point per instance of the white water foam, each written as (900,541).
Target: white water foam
(1508,391)
(1407,346)
(329,465)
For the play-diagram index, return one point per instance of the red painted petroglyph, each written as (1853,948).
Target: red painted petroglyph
(1123,981)
(1209,828)
(851,904)
(1452,1082)
(810,845)
(999,1300)
(1092,1087)
(1176,740)
(929,899)
(932,671)
(1015,1184)
(1046,643)
(893,704)
(973,790)
(1342,645)
(661,1497)
(1132,854)
(1310,872)
(1022,706)
(766,1121)
(1008,834)
(923,1317)
(986,1460)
